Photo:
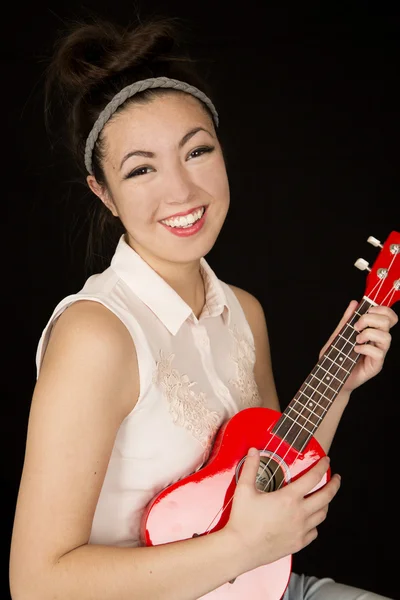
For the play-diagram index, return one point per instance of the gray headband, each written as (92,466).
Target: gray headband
(131,90)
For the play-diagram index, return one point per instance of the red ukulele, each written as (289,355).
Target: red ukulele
(200,503)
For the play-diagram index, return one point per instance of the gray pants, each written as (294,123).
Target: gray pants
(302,587)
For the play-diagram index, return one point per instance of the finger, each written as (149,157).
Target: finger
(321,498)
(318,517)
(310,536)
(250,468)
(374,320)
(306,482)
(382,339)
(385,310)
(372,351)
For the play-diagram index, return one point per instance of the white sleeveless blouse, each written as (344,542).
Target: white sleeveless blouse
(194,375)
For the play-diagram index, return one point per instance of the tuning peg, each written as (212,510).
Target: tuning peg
(362,264)
(374,242)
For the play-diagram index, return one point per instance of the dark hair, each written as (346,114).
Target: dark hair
(92,61)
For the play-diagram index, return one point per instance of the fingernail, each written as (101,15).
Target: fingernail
(252,451)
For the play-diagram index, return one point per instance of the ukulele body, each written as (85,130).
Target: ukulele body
(201,502)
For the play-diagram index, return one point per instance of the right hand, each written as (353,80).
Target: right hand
(269,526)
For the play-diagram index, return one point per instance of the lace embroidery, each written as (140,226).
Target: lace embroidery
(244,357)
(187,408)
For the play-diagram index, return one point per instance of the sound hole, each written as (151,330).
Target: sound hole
(270,474)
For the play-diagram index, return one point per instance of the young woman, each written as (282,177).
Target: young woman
(139,369)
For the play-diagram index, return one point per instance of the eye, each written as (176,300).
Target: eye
(138,171)
(200,151)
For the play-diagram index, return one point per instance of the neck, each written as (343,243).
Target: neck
(189,286)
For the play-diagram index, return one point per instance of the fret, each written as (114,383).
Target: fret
(323,397)
(344,345)
(344,348)
(319,401)
(296,421)
(342,337)
(342,370)
(311,405)
(332,377)
(348,330)
(321,381)
(307,415)
(304,414)
(321,390)
(315,407)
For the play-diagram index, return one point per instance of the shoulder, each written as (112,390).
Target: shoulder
(89,325)
(251,306)
(89,337)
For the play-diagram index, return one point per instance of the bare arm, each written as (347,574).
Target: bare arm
(87,385)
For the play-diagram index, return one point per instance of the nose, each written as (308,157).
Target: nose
(179,188)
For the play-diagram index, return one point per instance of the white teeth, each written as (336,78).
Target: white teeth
(185,221)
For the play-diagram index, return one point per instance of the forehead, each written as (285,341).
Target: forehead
(165,117)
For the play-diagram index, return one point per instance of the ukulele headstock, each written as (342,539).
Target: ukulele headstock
(383,280)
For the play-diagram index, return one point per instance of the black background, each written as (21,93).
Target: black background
(308,100)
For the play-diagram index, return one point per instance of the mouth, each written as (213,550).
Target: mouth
(186,220)
(186,225)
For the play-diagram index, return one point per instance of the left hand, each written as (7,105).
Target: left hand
(373,327)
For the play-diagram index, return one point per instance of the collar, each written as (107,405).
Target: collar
(159,296)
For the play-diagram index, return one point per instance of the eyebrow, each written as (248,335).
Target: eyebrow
(147,154)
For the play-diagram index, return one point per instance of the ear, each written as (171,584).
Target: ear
(103,193)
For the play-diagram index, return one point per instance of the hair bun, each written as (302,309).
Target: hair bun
(93,52)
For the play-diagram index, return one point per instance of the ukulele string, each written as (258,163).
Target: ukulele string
(389,296)
(296,421)
(395,250)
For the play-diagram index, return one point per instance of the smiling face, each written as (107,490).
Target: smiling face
(163,159)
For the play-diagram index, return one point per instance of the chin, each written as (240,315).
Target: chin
(188,250)
(190,254)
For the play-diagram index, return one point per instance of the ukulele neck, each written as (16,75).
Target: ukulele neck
(311,403)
